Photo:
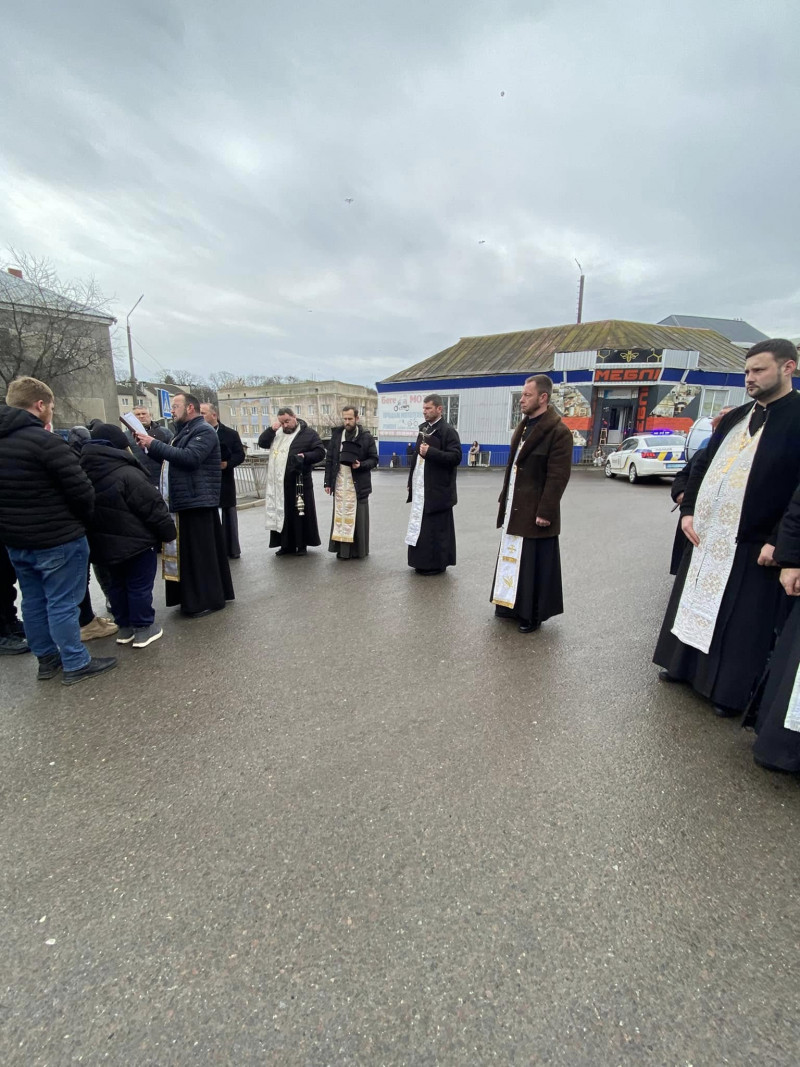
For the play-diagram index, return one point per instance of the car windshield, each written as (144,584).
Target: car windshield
(672,441)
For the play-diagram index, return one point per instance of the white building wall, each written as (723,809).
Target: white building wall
(483,415)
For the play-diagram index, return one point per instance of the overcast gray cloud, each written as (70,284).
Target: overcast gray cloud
(204,154)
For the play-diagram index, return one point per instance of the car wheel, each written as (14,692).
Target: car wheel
(608,471)
(633,477)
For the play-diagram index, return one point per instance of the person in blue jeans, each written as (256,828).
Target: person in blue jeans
(46,501)
(130,520)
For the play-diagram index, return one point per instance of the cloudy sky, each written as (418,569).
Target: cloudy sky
(344,188)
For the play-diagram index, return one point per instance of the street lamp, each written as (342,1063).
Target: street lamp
(130,346)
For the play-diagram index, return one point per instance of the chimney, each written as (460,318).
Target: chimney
(15,271)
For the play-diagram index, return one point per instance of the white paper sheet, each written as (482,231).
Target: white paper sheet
(132,422)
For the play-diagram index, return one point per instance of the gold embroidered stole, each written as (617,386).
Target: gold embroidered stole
(345,503)
(170,551)
(716,521)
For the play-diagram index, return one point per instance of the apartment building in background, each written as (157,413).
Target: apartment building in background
(252,409)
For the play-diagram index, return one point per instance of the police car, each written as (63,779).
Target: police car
(648,455)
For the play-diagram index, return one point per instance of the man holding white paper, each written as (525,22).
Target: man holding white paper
(152,466)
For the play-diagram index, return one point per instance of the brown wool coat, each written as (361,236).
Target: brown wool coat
(543,470)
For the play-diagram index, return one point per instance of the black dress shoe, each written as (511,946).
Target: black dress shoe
(302,552)
(198,614)
(428,574)
(284,552)
(528,627)
(665,676)
(726,713)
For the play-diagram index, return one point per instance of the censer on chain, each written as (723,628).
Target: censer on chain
(299,500)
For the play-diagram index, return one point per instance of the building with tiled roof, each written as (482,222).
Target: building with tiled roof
(612,378)
(738,331)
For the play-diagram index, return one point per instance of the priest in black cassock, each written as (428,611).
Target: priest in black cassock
(727,603)
(776,714)
(231,452)
(289,508)
(431,536)
(195,567)
(527,579)
(352,455)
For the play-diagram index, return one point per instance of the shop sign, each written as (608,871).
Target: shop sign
(623,375)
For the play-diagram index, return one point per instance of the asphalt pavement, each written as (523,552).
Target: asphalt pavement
(356,819)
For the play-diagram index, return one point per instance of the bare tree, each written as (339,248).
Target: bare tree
(196,383)
(53,330)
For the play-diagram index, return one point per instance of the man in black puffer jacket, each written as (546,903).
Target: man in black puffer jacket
(196,569)
(45,503)
(130,519)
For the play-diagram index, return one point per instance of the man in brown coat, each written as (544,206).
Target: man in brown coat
(527,580)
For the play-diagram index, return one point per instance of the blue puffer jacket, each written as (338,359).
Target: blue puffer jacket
(194,466)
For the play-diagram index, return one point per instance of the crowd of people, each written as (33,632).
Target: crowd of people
(121,499)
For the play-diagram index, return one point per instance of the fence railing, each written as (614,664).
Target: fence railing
(251,478)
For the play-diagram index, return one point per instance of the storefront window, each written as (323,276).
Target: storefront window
(515,415)
(713,401)
(450,411)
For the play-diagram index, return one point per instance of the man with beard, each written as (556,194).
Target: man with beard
(351,456)
(291,515)
(195,567)
(527,580)
(231,455)
(431,536)
(727,600)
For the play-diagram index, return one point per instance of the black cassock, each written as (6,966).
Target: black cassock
(205,576)
(743,636)
(435,549)
(299,531)
(539,595)
(776,747)
(753,606)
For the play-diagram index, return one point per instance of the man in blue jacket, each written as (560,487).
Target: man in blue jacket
(195,567)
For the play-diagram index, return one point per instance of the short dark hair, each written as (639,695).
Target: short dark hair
(350,407)
(434,399)
(286,411)
(190,398)
(781,349)
(543,384)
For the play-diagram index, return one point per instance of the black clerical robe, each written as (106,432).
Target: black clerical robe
(753,606)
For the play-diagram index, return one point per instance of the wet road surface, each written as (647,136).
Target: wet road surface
(355,819)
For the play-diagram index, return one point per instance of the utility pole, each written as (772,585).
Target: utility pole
(130,346)
(580,292)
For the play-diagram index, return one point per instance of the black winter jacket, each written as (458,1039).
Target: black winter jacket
(774,475)
(232,453)
(45,498)
(444,456)
(130,515)
(194,471)
(362,479)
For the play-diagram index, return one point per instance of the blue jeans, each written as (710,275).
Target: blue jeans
(130,590)
(53,582)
